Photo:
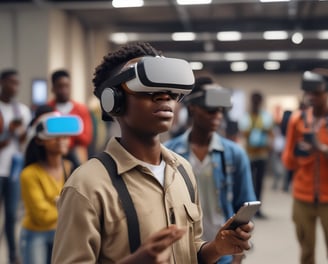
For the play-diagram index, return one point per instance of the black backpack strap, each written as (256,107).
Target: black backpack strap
(186,178)
(127,203)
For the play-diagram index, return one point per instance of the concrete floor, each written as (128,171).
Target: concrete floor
(274,238)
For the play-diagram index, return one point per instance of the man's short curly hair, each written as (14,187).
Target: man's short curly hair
(114,60)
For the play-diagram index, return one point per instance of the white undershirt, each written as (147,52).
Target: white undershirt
(64,108)
(157,170)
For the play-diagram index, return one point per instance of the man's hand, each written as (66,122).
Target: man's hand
(156,248)
(228,242)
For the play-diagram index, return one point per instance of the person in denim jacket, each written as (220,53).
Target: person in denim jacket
(221,166)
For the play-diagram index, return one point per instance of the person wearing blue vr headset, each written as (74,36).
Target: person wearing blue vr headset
(221,166)
(42,179)
(138,202)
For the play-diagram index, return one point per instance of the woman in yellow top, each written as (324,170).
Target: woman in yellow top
(41,182)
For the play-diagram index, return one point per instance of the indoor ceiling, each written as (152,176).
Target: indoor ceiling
(156,20)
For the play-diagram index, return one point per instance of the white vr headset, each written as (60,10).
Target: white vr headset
(212,96)
(156,74)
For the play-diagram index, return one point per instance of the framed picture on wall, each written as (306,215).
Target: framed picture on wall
(39,92)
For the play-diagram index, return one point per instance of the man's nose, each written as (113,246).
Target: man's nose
(161,96)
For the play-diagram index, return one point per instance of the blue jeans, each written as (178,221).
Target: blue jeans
(36,246)
(10,196)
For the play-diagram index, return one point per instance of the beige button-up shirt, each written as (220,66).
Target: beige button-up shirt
(92,225)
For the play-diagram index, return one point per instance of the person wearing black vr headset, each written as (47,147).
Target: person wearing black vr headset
(306,153)
(162,222)
(220,165)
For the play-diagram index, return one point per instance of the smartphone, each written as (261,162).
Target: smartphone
(300,152)
(309,138)
(245,214)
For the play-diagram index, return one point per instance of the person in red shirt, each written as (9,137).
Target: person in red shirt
(62,102)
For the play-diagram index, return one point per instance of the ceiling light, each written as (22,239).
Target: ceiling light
(119,38)
(183,36)
(238,66)
(297,38)
(234,56)
(278,55)
(196,65)
(127,3)
(272,1)
(323,55)
(122,37)
(228,36)
(271,65)
(323,34)
(194,2)
(275,35)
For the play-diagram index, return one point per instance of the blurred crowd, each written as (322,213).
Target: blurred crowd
(286,144)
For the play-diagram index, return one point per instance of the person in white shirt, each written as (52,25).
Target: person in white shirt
(16,117)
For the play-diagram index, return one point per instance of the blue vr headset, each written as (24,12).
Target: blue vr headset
(53,125)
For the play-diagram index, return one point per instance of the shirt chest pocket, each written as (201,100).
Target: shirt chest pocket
(187,215)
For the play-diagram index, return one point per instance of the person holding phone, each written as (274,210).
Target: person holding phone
(15,117)
(221,166)
(306,153)
(93,226)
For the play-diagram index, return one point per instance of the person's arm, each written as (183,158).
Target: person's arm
(243,190)
(78,233)
(226,242)
(42,210)
(84,139)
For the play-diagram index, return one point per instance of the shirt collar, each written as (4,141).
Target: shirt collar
(215,144)
(119,153)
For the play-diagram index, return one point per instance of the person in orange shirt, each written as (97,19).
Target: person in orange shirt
(62,102)
(306,153)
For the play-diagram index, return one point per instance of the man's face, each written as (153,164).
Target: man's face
(10,85)
(316,98)
(62,89)
(207,120)
(147,114)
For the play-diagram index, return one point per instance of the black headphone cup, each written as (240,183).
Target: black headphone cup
(112,101)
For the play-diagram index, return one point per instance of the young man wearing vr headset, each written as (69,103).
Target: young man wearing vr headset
(220,165)
(140,89)
(306,153)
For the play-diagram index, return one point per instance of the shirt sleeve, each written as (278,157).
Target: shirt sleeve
(243,189)
(42,209)
(85,137)
(78,231)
